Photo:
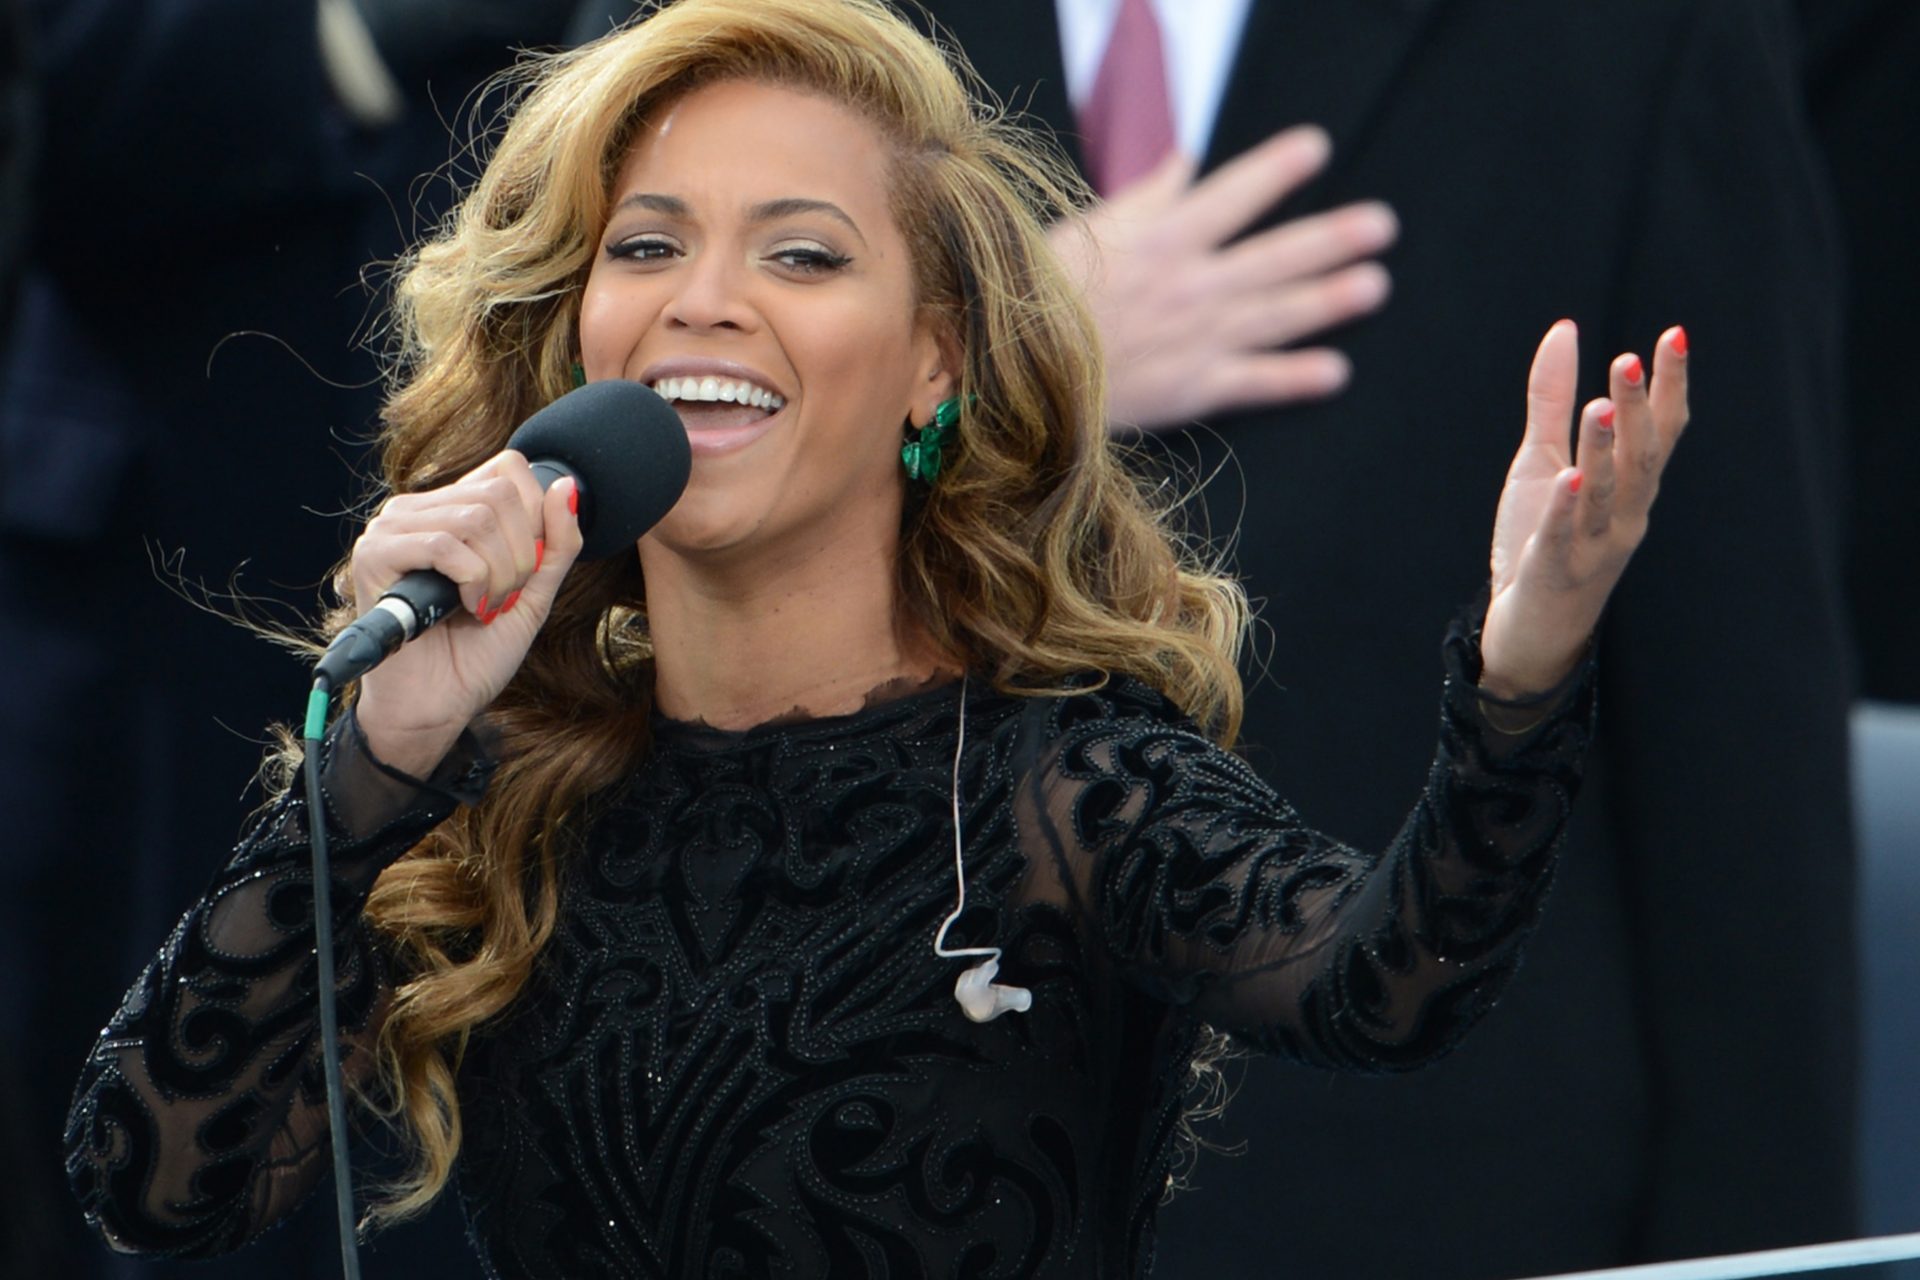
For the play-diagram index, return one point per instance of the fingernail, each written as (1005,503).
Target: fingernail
(1631,371)
(1679,340)
(539,552)
(573,500)
(506,606)
(1380,223)
(480,611)
(1605,417)
(1573,485)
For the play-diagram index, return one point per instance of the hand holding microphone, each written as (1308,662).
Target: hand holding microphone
(488,552)
(506,546)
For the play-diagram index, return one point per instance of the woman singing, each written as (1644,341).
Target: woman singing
(642,865)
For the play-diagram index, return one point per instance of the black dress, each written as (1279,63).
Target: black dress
(740,1056)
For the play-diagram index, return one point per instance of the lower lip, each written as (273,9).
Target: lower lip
(707,442)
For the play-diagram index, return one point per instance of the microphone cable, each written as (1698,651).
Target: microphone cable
(315,730)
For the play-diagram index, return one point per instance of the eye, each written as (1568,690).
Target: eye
(809,260)
(644,249)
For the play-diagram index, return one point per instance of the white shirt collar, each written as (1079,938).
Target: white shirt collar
(1200,38)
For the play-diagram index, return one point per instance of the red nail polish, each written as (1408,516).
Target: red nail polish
(539,552)
(1680,341)
(573,500)
(1573,485)
(506,606)
(482,612)
(1605,417)
(1632,371)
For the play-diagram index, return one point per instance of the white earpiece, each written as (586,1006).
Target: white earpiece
(981,998)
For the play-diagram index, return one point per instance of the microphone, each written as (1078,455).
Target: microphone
(627,451)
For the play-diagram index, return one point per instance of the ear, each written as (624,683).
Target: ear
(936,367)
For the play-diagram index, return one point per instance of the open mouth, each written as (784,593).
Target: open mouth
(714,403)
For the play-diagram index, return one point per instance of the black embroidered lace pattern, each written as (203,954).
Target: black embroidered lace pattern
(740,1056)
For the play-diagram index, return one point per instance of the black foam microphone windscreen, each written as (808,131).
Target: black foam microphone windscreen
(626,448)
(627,451)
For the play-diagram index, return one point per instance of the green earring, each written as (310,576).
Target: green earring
(922,454)
(579,374)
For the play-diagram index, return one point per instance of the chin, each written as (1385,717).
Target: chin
(729,517)
(703,526)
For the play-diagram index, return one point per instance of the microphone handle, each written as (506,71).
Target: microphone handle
(427,595)
(410,606)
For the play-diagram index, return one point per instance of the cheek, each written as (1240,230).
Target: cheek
(613,316)
(862,373)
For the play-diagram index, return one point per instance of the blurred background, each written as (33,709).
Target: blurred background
(1709,1048)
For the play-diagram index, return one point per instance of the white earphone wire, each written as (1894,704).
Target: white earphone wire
(940,947)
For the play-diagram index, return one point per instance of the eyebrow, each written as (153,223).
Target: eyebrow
(786,207)
(672,206)
(765,211)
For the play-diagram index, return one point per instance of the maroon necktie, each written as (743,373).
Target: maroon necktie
(1127,122)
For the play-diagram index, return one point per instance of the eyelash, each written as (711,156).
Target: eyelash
(813,261)
(636,249)
(804,261)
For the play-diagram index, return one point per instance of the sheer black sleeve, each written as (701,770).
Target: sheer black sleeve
(200,1116)
(1207,890)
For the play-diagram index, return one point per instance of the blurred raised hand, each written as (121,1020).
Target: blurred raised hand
(1196,320)
(1568,521)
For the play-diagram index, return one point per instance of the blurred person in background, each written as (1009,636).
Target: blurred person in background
(1673,1071)
(18,136)
(1863,89)
(187,367)
(1864,97)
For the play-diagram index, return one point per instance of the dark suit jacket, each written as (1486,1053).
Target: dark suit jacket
(1864,97)
(1672,1072)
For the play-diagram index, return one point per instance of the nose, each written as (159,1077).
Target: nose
(712,295)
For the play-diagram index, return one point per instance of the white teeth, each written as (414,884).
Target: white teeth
(719,390)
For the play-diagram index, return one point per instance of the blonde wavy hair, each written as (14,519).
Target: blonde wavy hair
(1037,554)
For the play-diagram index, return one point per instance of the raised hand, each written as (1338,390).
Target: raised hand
(1568,524)
(1192,324)
(507,546)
